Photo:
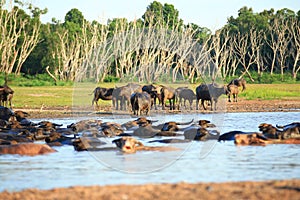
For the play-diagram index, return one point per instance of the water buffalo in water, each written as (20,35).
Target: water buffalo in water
(6,113)
(232,90)
(140,102)
(131,145)
(239,82)
(289,131)
(102,93)
(200,133)
(173,126)
(141,121)
(111,129)
(258,139)
(186,94)
(205,124)
(87,144)
(165,129)
(84,125)
(231,135)
(250,139)
(168,93)
(58,139)
(6,95)
(208,92)
(29,149)
(269,131)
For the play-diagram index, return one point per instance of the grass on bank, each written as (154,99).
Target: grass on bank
(81,94)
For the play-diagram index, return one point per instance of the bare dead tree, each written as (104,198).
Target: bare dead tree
(284,38)
(245,58)
(16,43)
(68,53)
(218,46)
(256,42)
(295,52)
(273,42)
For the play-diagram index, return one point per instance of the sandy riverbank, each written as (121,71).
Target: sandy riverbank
(283,189)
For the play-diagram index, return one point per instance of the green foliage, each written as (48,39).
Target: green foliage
(111,79)
(31,80)
(166,14)
(156,12)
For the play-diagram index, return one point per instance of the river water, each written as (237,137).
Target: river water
(209,161)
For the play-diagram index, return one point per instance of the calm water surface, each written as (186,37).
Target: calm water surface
(209,161)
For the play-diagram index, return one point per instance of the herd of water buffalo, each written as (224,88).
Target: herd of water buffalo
(141,98)
(18,134)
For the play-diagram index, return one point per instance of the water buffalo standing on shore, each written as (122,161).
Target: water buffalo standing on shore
(154,92)
(140,101)
(239,82)
(168,93)
(102,93)
(232,90)
(6,95)
(186,94)
(208,92)
(121,95)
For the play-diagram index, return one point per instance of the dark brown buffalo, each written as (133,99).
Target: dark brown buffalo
(186,94)
(154,92)
(6,113)
(6,95)
(205,124)
(141,121)
(200,133)
(21,117)
(111,129)
(121,95)
(231,135)
(168,93)
(291,130)
(208,92)
(173,126)
(140,102)
(102,93)
(85,125)
(269,131)
(239,82)
(232,90)
(146,131)
(292,125)
(58,138)
(87,144)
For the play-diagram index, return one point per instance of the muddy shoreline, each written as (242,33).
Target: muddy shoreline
(289,105)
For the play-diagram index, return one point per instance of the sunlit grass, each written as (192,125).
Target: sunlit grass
(271,91)
(81,94)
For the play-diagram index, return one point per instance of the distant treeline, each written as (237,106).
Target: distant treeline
(159,46)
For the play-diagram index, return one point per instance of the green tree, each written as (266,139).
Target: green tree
(200,33)
(165,15)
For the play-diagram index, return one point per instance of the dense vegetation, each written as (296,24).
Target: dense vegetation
(262,47)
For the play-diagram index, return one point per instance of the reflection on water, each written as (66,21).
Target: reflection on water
(196,162)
